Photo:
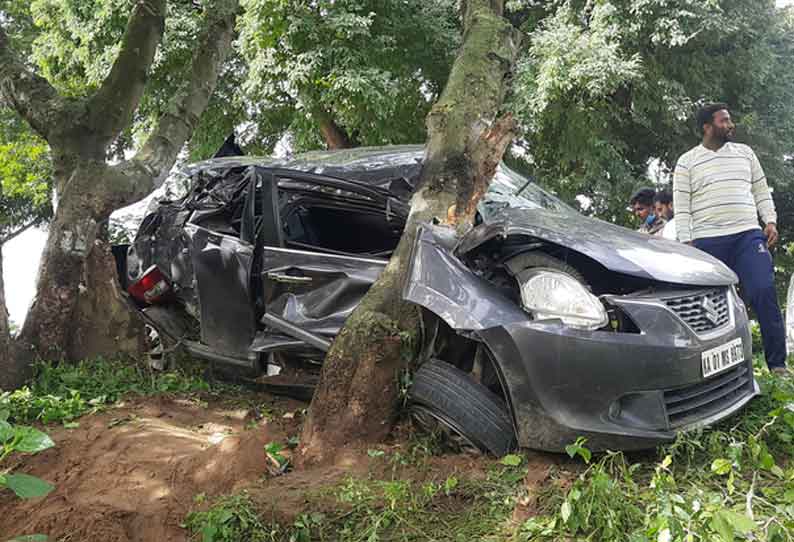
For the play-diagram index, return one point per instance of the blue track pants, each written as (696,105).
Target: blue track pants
(747,255)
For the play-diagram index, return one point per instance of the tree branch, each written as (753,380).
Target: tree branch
(335,136)
(147,169)
(22,229)
(32,96)
(111,108)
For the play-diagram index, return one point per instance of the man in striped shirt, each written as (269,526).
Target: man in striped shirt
(719,189)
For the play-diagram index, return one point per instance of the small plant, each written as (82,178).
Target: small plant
(279,461)
(23,439)
(230,519)
(512,460)
(578,449)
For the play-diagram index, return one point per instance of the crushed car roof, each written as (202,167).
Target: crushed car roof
(365,164)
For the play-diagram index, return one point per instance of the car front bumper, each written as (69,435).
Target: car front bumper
(618,390)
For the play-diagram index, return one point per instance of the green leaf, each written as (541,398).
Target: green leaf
(578,448)
(511,460)
(565,511)
(6,431)
(27,486)
(208,533)
(721,466)
(4,414)
(721,526)
(33,440)
(585,454)
(740,522)
(31,538)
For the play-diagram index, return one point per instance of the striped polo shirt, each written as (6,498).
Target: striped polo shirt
(720,192)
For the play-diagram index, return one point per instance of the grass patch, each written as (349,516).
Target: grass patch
(731,482)
(455,508)
(231,518)
(63,392)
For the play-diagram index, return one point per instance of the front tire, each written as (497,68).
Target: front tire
(472,414)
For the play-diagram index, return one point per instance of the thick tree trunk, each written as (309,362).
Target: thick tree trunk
(78,311)
(356,399)
(49,325)
(103,324)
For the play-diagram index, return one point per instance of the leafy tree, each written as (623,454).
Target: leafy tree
(364,72)
(81,90)
(606,87)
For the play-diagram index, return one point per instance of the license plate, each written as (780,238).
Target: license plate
(723,357)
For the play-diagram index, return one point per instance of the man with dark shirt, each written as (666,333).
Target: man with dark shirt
(642,205)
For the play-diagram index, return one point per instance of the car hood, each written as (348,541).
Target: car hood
(616,248)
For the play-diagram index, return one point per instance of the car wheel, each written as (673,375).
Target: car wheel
(444,399)
(529,260)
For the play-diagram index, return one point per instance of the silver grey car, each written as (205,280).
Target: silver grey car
(540,324)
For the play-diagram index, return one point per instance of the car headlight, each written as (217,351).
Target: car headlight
(552,294)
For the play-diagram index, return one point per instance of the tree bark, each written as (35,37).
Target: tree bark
(333,134)
(77,311)
(29,94)
(110,109)
(103,325)
(356,399)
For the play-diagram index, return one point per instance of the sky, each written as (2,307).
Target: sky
(20,265)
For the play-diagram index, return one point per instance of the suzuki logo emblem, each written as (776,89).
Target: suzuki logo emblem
(710,310)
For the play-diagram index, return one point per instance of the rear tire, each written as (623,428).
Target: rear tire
(461,406)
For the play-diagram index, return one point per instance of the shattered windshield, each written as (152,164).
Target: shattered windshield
(509,189)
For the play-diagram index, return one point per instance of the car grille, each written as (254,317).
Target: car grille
(704,311)
(693,403)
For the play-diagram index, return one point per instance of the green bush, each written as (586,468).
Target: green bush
(63,392)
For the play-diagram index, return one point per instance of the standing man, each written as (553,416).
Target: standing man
(642,206)
(719,189)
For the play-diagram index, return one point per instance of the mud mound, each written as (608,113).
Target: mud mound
(131,473)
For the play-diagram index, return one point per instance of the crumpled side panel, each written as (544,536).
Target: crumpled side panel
(438,281)
(333,287)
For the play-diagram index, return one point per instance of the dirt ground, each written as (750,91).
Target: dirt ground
(131,473)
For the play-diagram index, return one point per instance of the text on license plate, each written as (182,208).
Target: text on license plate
(722,357)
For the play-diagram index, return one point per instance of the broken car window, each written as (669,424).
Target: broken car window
(509,189)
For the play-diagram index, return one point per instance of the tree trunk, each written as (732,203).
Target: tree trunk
(356,399)
(103,324)
(78,310)
(50,322)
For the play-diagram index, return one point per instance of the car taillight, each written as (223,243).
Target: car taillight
(151,287)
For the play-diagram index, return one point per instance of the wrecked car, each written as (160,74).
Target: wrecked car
(540,325)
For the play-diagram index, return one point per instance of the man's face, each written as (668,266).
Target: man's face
(642,211)
(721,127)
(663,209)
